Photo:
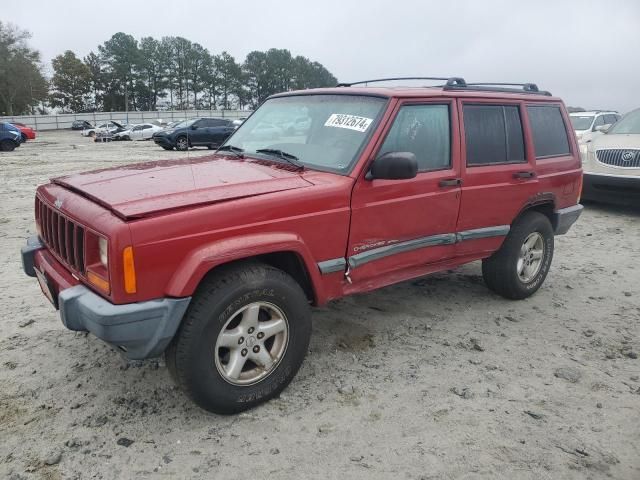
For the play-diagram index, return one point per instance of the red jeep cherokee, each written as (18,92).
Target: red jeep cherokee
(322,193)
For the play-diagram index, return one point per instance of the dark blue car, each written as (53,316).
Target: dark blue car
(10,137)
(206,132)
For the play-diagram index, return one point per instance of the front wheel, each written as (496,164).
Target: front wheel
(518,269)
(243,338)
(182,144)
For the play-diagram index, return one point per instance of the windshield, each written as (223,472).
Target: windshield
(630,123)
(582,122)
(325,132)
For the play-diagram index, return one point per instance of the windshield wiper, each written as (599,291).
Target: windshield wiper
(237,151)
(287,157)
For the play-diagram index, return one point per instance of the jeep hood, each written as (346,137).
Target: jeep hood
(134,191)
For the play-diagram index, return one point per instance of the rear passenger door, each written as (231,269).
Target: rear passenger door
(220,130)
(498,173)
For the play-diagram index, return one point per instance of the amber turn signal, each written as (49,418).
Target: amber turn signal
(98,281)
(129,270)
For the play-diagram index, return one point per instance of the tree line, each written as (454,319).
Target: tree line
(149,74)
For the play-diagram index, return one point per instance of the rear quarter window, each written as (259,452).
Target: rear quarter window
(548,130)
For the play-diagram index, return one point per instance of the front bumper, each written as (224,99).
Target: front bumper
(163,141)
(622,189)
(140,330)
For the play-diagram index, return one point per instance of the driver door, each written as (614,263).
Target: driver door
(401,225)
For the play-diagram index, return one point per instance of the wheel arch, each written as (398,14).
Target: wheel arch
(286,252)
(543,203)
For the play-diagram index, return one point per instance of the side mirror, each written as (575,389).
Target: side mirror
(394,166)
(602,128)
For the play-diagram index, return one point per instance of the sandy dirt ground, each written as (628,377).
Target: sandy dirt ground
(435,378)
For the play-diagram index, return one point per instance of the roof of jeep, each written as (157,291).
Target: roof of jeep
(421,92)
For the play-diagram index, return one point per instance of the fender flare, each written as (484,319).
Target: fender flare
(203,259)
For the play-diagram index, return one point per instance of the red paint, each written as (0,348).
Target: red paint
(27,131)
(186,217)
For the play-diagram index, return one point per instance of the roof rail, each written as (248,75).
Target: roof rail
(450,81)
(531,88)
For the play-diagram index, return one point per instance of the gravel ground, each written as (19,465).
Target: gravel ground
(433,378)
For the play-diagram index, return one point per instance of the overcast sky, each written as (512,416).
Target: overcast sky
(587,52)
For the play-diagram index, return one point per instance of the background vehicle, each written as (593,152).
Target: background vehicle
(81,125)
(10,137)
(590,124)
(110,127)
(611,163)
(216,261)
(208,132)
(142,131)
(27,133)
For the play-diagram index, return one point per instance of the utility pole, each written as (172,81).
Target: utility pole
(126,101)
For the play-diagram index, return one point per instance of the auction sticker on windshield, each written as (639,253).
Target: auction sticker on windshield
(352,122)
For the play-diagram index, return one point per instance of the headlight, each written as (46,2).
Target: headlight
(103,249)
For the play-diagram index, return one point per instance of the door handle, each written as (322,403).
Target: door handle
(451,182)
(524,175)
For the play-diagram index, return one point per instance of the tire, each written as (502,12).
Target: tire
(92,134)
(182,144)
(167,148)
(519,268)
(7,146)
(220,315)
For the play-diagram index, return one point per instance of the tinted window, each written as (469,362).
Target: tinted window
(599,121)
(549,133)
(610,119)
(423,130)
(493,134)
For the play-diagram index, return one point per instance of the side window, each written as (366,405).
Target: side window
(425,131)
(493,134)
(610,119)
(549,132)
(599,121)
(146,127)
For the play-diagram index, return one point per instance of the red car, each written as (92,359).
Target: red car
(215,261)
(28,133)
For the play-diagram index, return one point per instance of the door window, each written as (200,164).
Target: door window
(610,119)
(425,131)
(493,134)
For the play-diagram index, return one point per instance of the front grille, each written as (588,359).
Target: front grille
(64,237)
(619,157)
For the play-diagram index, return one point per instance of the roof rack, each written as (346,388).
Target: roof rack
(459,83)
(450,81)
(531,88)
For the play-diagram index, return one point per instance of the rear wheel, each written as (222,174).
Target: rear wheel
(243,338)
(7,146)
(518,269)
(182,144)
